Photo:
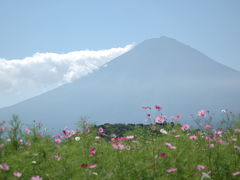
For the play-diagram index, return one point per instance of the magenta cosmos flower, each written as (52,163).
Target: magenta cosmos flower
(158,107)
(163,155)
(171,170)
(92,151)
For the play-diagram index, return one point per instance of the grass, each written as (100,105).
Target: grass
(141,154)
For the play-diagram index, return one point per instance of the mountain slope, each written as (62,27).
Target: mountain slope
(157,71)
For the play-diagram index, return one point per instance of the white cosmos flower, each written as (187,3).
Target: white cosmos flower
(77,138)
(163,131)
(223,110)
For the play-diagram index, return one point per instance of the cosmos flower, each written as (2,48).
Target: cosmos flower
(27,130)
(171,170)
(185,127)
(58,141)
(159,120)
(17,174)
(92,151)
(236,173)
(58,158)
(100,130)
(92,166)
(193,137)
(200,167)
(77,138)
(202,113)
(163,131)
(4,167)
(158,107)
(207,127)
(163,155)
(36,178)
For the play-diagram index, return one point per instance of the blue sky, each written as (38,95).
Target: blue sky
(29,27)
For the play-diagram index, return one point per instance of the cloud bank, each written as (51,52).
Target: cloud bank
(44,71)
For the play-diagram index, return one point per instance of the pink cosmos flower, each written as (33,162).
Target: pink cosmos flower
(210,139)
(130,137)
(92,166)
(200,167)
(58,158)
(27,130)
(211,145)
(236,173)
(159,120)
(171,170)
(177,136)
(100,130)
(217,133)
(58,141)
(170,146)
(118,146)
(4,167)
(178,116)
(207,127)
(146,107)
(17,174)
(36,178)
(57,135)
(237,147)
(202,113)
(185,127)
(233,139)
(2,129)
(92,151)
(121,139)
(158,107)
(148,115)
(104,134)
(237,130)
(193,137)
(173,117)
(222,142)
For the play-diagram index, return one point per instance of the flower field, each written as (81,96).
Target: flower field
(167,148)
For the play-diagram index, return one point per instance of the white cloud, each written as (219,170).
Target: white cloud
(44,71)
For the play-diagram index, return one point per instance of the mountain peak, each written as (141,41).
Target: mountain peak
(159,70)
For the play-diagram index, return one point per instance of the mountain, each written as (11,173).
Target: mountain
(157,71)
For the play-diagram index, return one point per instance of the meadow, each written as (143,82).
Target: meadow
(166,148)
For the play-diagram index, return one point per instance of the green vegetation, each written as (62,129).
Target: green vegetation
(150,151)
